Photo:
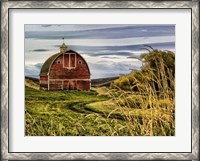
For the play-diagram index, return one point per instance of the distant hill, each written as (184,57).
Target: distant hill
(32,82)
(99,82)
(33,79)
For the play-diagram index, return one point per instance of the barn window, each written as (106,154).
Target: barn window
(79,62)
(58,62)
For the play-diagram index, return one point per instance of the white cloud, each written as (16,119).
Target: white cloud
(70,27)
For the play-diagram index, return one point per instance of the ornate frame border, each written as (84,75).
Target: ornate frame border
(6,5)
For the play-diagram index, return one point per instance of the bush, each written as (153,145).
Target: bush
(158,70)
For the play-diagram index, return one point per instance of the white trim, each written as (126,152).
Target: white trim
(75,60)
(69,61)
(48,82)
(63,60)
(58,62)
(43,81)
(80,62)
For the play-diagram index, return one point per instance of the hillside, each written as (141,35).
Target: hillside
(102,81)
(32,82)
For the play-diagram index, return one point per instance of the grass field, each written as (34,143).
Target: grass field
(66,113)
(91,113)
(58,113)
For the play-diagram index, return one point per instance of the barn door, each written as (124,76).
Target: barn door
(65,85)
(70,85)
(70,60)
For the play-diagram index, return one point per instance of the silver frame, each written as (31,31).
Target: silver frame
(6,5)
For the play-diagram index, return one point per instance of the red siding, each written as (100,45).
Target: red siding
(43,78)
(69,73)
(43,81)
(66,60)
(83,85)
(72,60)
(55,84)
(81,71)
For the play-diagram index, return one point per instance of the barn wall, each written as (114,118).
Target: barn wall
(55,84)
(69,84)
(61,71)
(84,85)
(43,81)
(68,72)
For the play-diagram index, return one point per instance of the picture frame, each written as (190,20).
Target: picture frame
(8,6)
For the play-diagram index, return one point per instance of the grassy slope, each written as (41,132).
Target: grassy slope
(93,113)
(65,113)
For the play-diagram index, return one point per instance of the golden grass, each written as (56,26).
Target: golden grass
(150,109)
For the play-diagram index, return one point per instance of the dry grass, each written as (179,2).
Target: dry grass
(30,83)
(150,109)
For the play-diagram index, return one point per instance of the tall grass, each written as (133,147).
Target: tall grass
(148,106)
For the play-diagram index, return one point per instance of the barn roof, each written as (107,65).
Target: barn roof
(47,64)
(45,67)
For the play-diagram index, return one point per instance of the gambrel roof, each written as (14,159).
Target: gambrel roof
(47,64)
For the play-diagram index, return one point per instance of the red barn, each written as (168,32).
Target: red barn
(66,70)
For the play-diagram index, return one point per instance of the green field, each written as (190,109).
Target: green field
(67,113)
(93,113)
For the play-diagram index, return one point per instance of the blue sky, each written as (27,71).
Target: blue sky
(106,48)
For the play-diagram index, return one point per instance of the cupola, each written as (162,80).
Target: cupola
(63,48)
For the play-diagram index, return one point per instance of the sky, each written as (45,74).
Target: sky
(107,48)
